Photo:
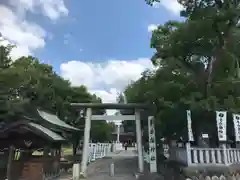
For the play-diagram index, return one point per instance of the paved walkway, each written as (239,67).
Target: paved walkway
(125,163)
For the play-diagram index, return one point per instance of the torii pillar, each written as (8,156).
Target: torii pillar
(89,117)
(139,141)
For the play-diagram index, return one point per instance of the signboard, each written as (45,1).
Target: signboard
(205,136)
(152,145)
(189,125)
(236,123)
(221,120)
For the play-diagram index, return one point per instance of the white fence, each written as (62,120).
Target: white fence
(213,156)
(194,156)
(191,155)
(95,151)
(118,146)
(98,150)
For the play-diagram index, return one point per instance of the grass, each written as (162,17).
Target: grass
(66,151)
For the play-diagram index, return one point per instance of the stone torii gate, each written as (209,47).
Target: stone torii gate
(136,117)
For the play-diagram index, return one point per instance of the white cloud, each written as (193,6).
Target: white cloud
(171,5)
(108,96)
(16,29)
(53,9)
(27,36)
(112,73)
(152,27)
(105,79)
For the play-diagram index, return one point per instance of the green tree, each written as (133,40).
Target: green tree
(197,65)
(27,82)
(204,47)
(11,103)
(101,131)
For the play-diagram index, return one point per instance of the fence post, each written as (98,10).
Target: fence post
(112,169)
(94,152)
(101,150)
(105,149)
(188,150)
(225,154)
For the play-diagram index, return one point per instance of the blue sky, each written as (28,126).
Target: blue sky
(102,44)
(105,30)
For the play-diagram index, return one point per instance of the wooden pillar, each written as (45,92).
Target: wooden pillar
(58,157)
(10,159)
(45,158)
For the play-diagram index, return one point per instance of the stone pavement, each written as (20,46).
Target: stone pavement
(125,163)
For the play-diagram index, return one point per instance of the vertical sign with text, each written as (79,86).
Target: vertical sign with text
(152,144)
(189,126)
(236,122)
(221,120)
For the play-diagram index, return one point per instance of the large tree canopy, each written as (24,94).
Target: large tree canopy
(27,82)
(197,62)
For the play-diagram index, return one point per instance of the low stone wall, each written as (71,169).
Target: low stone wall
(172,170)
(212,173)
(222,177)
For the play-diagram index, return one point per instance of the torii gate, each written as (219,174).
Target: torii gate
(136,117)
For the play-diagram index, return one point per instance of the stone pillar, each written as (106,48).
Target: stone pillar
(224,147)
(118,133)
(139,141)
(86,142)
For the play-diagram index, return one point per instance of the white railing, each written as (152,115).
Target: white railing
(98,150)
(95,151)
(119,146)
(146,156)
(213,156)
(233,156)
(195,156)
